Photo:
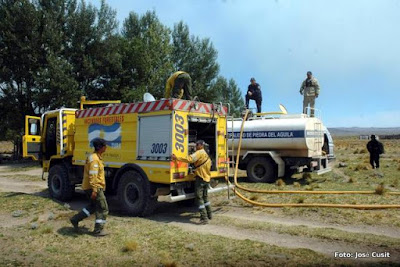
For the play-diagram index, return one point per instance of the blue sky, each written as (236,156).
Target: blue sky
(352,48)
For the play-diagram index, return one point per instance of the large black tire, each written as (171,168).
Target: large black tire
(134,194)
(261,170)
(59,184)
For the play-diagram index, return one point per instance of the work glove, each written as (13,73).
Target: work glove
(94,195)
(250,93)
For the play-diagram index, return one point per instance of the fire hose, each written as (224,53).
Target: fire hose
(320,205)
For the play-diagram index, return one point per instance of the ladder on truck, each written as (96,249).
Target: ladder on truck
(323,160)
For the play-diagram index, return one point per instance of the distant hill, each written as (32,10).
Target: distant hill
(356,131)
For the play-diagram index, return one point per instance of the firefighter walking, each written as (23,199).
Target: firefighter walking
(375,149)
(94,185)
(179,85)
(202,163)
(310,89)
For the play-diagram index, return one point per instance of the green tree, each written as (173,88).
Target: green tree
(19,60)
(147,54)
(198,57)
(51,52)
(229,92)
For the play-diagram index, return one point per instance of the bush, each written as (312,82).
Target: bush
(280,182)
(352,180)
(254,197)
(380,189)
(361,167)
(130,245)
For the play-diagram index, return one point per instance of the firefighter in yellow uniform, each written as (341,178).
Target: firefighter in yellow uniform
(202,163)
(94,185)
(179,85)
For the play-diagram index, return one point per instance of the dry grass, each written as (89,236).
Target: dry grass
(301,200)
(147,242)
(133,242)
(47,229)
(363,151)
(357,176)
(361,167)
(280,183)
(352,180)
(380,189)
(254,197)
(329,234)
(130,245)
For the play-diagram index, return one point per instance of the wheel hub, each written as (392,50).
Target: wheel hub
(132,194)
(56,184)
(259,171)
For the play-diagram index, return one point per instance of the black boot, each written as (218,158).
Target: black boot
(77,218)
(203,216)
(209,212)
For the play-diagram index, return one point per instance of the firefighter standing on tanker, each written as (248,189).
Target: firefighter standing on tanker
(310,89)
(94,185)
(179,85)
(202,163)
(254,92)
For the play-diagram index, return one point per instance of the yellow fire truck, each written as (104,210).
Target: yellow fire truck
(141,138)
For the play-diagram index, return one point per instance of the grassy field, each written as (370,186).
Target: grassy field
(357,175)
(34,229)
(135,241)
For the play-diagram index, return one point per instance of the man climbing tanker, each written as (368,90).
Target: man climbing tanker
(280,144)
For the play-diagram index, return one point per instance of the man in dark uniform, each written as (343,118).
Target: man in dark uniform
(254,92)
(375,148)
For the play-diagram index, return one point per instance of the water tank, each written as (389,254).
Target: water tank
(285,134)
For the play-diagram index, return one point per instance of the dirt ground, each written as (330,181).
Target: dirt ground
(272,228)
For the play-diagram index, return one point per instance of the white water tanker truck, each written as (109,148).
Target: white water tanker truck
(281,145)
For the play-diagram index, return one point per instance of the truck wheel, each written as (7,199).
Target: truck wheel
(59,185)
(134,194)
(261,170)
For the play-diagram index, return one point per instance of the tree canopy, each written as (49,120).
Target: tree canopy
(54,51)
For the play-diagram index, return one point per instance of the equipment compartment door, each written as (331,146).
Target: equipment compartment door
(155,137)
(31,139)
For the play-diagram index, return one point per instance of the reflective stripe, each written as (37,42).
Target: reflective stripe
(202,207)
(96,165)
(90,158)
(93,172)
(86,212)
(207,204)
(100,221)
